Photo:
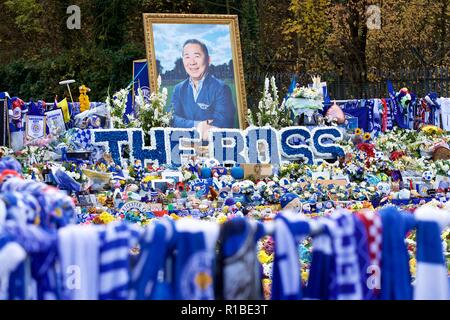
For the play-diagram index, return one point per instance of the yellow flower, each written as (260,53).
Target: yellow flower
(264,258)
(102,199)
(148,178)
(304,275)
(430,129)
(147,221)
(106,217)
(367,136)
(221,219)
(58,212)
(445,234)
(358,131)
(412,266)
(174,216)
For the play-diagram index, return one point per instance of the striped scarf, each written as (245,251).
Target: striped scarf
(116,240)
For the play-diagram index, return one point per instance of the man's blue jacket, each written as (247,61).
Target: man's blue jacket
(214,101)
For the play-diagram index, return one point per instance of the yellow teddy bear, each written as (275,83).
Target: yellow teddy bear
(84,99)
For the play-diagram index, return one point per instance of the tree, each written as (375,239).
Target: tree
(308,28)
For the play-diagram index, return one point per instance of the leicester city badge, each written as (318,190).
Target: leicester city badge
(197,280)
(203,106)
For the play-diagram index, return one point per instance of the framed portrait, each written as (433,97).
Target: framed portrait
(199,60)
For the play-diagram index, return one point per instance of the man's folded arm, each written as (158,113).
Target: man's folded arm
(224,110)
(180,122)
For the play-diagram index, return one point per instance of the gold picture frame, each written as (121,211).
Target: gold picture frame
(192,21)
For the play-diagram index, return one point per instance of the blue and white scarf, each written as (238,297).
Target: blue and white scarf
(12,256)
(377,107)
(154,246)
(41,247)
(78,247)
(195,242)
(116,241)
(431,270)
(351,257)
(286,279)
(340,260)
(395,273)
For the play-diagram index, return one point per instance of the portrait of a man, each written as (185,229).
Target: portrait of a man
(198,58)
(201,101)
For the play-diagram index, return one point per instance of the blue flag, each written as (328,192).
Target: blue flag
(140,80)
(291,87)
(396,108)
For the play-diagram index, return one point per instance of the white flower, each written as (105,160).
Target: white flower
(159,81)
(187,175)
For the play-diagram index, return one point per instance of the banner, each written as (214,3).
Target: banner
(256,145)
(55,122)
(35,127)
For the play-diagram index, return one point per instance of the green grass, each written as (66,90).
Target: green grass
(170,85)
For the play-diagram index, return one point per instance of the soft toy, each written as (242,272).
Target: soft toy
(403,97)
(93,122)
(83,98)
(237,192)
(427,176)
(138,170)
(18,108)
(432,101)
(384,188)
(290,201)
(379,155)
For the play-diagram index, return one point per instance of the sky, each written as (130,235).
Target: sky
(169,39)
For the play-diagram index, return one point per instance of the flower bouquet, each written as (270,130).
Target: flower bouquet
(304,100)
(152,112)
(70,177)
